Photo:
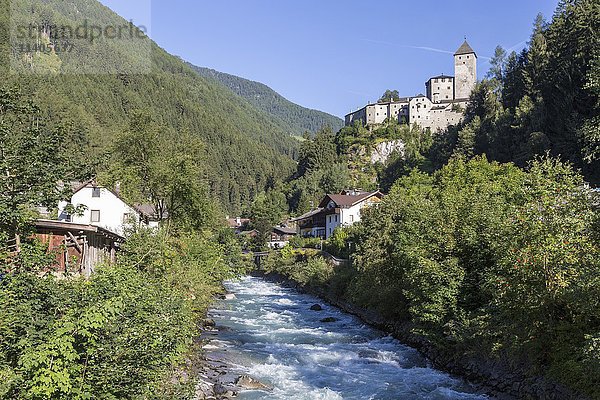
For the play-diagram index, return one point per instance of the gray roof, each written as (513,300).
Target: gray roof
(344,200)
(441,76)
(464,49)
(307,215)
(284,230)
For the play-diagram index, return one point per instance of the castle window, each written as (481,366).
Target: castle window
(459,57)
(448,87)
(446,96)
(467,56)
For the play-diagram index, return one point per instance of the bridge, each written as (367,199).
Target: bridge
(259,256)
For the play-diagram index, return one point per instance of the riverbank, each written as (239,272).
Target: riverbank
(497,377)
(213,376)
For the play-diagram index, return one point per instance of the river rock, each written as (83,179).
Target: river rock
(329,319)
(220,389)
(227,296)
(316,307)
(247,382)
(208,322)
(204,389)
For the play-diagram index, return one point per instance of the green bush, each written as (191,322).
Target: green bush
(338,244)
(299,242)
(119,335)
(492,258)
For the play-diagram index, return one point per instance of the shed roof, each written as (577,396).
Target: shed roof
(73,227)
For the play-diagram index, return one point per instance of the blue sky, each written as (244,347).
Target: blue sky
(334,55)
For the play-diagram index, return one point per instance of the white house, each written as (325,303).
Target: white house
(343,209)
(104,208)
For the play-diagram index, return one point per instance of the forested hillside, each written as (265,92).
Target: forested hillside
(291,117)
(95,90)
(128,331)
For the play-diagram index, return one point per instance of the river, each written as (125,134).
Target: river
(270,333)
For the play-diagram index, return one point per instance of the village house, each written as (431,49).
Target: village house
(311,224)
(342,209)
(104,208)
(237,224)
(280,236)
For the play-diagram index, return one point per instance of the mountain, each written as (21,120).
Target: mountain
(292,117)
(95,86)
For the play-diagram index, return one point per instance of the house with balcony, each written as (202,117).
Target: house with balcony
(341,209)
(280,236)
(311,224)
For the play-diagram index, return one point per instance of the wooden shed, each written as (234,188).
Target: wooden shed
(78,247)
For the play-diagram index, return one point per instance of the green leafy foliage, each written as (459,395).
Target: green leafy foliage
(32,161)
(303,266)
(484,258)
(118,335)
(267,210)
(320,170)
(389,95)
(169,172)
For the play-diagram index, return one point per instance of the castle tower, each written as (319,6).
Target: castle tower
(465,71)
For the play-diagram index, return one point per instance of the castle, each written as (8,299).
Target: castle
(444,104)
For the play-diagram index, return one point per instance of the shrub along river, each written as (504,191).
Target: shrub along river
(270,333)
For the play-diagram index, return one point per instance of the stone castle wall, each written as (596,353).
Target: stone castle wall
(443,106)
